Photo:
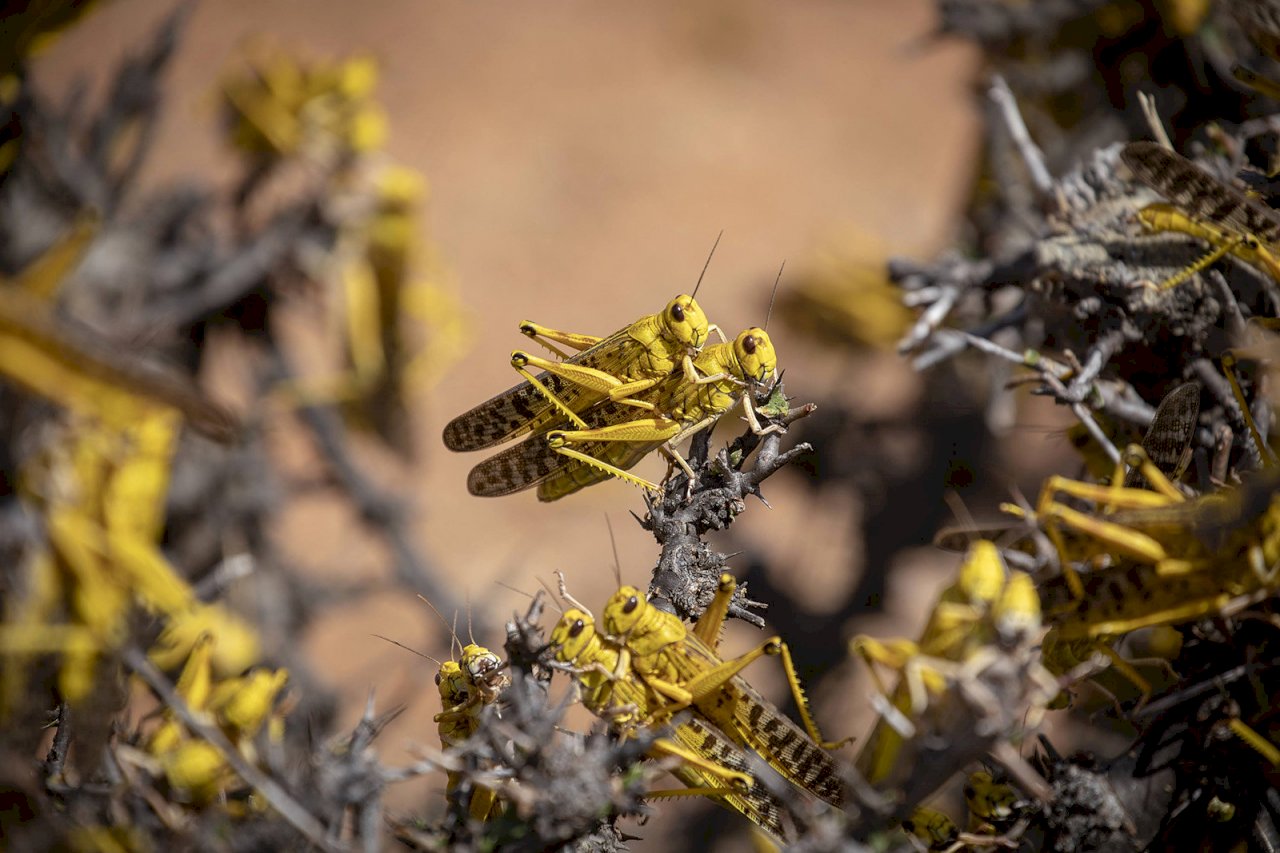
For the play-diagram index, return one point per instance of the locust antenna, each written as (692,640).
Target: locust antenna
(407,649)
(466,596)
(452,632)
(564,593)
(454,629)
(710,255)
(617,564)
(773,295)
(514,589)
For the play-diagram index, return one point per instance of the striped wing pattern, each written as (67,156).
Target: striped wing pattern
(523,408)
(753,721)
(757,804)
(603,696)
(533,461)
(1197,192)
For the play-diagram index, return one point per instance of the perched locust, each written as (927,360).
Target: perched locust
(709,763)
(623,365)
(686,670)
(467,686)
(1206,208)
(1171,559)
(564,460)
(958,625)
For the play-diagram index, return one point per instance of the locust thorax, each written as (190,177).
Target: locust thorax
(623,611)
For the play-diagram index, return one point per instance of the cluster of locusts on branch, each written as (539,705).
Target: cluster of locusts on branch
(1137,288)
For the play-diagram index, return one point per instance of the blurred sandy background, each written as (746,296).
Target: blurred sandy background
(582,158)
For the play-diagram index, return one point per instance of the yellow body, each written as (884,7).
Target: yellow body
(565,460)
(710,764)
(624,364)
(466,687)
(687,670)
(959,624)
(1158,558)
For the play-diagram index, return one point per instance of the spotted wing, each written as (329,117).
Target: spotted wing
(753,721)
(533,462)
(757,805)
(523,408)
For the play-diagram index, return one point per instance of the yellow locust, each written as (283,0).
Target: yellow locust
(466,687)
(709,764)
(617,367)
(1172,559)
(958,625)
(686,670)
(1206,208)
(564,460)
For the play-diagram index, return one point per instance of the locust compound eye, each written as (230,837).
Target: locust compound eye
(749,344)
(677,313)
(437,679)
(578,626)
(631,605)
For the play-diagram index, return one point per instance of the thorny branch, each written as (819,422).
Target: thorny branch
(688,570)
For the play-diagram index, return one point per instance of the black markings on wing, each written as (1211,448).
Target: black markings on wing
(781,742)
(758,804)
(755,722)
(1168,440)
(515,469)
(523,408)
(1198,193)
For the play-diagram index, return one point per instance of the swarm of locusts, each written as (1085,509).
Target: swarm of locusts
(1138,292)
(1101,670)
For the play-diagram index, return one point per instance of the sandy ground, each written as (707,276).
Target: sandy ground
(582,159)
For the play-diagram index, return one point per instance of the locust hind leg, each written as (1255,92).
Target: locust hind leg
(708,630)
(543,336)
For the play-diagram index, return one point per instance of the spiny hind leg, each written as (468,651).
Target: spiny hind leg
(611,470)
(802,702)
(711,623)
(594,379)
(708,630)
(543,336)
(1260,446)
(641,430)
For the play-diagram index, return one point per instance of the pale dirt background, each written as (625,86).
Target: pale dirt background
(582,158)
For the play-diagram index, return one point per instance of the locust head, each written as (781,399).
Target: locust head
(573,635)
(756,358)
(982,574)
(685,322)
(452,684)
(624,611)
(1016,612)
(642,627)
(484,668)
